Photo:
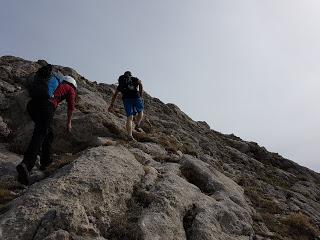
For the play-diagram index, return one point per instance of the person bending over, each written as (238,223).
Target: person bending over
(47,91)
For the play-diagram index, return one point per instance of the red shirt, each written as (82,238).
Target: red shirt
(64,91)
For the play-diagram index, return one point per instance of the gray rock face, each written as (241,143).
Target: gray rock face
(181,180)
(4,129)
(81,198)
(203,216)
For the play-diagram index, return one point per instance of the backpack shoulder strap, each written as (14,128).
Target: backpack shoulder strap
(59,77)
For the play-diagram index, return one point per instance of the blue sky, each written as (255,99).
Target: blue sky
(248,67)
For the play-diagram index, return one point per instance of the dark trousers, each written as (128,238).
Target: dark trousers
(41,112)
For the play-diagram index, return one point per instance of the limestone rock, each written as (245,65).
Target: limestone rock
(81,198)
(4,129)
(182,180)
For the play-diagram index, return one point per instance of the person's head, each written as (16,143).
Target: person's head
(70,80)
(127,74)
(45,71)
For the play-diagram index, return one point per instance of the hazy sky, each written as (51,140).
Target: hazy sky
(248,67)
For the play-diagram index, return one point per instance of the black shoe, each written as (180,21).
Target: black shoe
(23,174)
(45,162)
(138,129)
(131,139)
(43,167)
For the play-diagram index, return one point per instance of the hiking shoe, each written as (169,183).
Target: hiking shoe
(138,129)
(131,139)
(43,167)
(23,174)
(44,163)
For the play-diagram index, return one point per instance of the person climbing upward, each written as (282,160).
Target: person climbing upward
(47,91)
(131,89)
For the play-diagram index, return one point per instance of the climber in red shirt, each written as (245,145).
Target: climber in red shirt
(41,109)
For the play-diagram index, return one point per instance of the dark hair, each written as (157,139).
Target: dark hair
(45,71)
(127,73)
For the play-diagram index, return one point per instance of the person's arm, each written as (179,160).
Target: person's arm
(140,88)
(69,126)
(114,97)
(71,98)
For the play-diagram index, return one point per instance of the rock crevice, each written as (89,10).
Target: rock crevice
(181,180)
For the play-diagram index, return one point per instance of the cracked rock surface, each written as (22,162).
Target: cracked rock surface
(181,180)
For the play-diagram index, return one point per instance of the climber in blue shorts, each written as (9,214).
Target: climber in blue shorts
(132,96)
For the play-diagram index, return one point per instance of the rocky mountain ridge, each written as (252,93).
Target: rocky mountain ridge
(181,180)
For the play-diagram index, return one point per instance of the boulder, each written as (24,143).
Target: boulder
(82,199)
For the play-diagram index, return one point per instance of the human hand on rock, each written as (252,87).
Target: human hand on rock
(69,127)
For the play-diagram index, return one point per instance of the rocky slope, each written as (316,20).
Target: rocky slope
(182,180)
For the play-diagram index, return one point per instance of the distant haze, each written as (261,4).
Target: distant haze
(248,67)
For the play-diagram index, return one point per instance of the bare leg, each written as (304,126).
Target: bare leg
(139,118)
(129,125)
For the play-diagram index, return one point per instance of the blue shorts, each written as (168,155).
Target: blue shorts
(133,106)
